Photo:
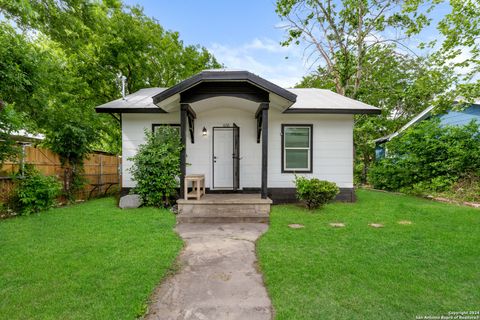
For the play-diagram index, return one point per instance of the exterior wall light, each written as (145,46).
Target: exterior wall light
(204,131)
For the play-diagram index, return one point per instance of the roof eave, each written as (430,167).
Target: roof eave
(129,110)
(382,140)
(333,111)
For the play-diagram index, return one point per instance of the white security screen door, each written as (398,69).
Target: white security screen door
(222,158)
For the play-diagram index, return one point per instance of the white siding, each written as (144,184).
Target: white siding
(199,154)
(133,128)
(332,148)
(332,144)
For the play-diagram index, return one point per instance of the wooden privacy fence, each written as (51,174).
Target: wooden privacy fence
(101,171)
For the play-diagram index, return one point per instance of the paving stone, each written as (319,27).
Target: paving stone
(405,222)
(337,224)
(296,226)
(376,225)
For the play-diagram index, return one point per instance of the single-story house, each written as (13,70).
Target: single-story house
(449,118)
(246,134)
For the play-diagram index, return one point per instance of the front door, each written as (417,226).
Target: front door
(236,157)
(223,158)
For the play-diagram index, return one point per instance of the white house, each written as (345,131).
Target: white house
(246,134)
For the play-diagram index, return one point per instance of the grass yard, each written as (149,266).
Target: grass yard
(430,267)
(86,261)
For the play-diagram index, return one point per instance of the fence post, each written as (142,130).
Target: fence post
(101,176)
(22,162)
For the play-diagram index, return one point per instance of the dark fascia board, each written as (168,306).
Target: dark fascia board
(130,110)
(225,76)
(382,140)
(334,111)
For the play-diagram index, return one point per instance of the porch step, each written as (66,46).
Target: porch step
(224,208)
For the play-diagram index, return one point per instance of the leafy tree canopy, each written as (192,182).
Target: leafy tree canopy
(361,51)
(63,58)
(340,33)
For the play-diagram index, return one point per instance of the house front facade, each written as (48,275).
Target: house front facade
(246,134)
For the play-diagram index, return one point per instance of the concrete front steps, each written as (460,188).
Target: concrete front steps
(224,208)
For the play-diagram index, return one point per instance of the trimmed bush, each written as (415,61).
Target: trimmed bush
(35,192)
(314,192)
(156,167)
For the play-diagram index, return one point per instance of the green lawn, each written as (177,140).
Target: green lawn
(430,267)
(87,261)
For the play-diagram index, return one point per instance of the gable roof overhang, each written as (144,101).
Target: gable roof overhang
(419,117)
(137,102)
(211,83)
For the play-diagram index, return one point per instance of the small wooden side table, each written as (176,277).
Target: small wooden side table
(198,186)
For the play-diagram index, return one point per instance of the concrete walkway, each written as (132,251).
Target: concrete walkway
(217,278)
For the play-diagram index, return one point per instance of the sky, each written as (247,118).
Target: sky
(242,34)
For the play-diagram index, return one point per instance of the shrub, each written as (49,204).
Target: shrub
(156,167)
(466,188)
(314,192)
(435,185)
(428,158)
(4,210)
(35,192)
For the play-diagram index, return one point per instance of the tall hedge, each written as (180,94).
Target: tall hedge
(429,157)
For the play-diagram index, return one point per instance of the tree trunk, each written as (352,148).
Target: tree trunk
(366,165)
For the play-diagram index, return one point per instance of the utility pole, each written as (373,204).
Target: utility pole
(123,81)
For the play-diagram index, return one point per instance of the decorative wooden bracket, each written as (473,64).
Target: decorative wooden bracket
(191,116)
(259,117)
(259,127)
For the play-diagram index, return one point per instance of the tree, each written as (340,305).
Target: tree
(95,41)
(18,80)
(9,122)
(461,49)
(106,38)
(72,64)
(401,85)
(340,33)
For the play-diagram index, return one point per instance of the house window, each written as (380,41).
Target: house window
(155,126)
(297,148)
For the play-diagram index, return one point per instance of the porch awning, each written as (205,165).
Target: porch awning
(226,82)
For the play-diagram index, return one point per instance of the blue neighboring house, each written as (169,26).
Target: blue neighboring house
(450,118)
